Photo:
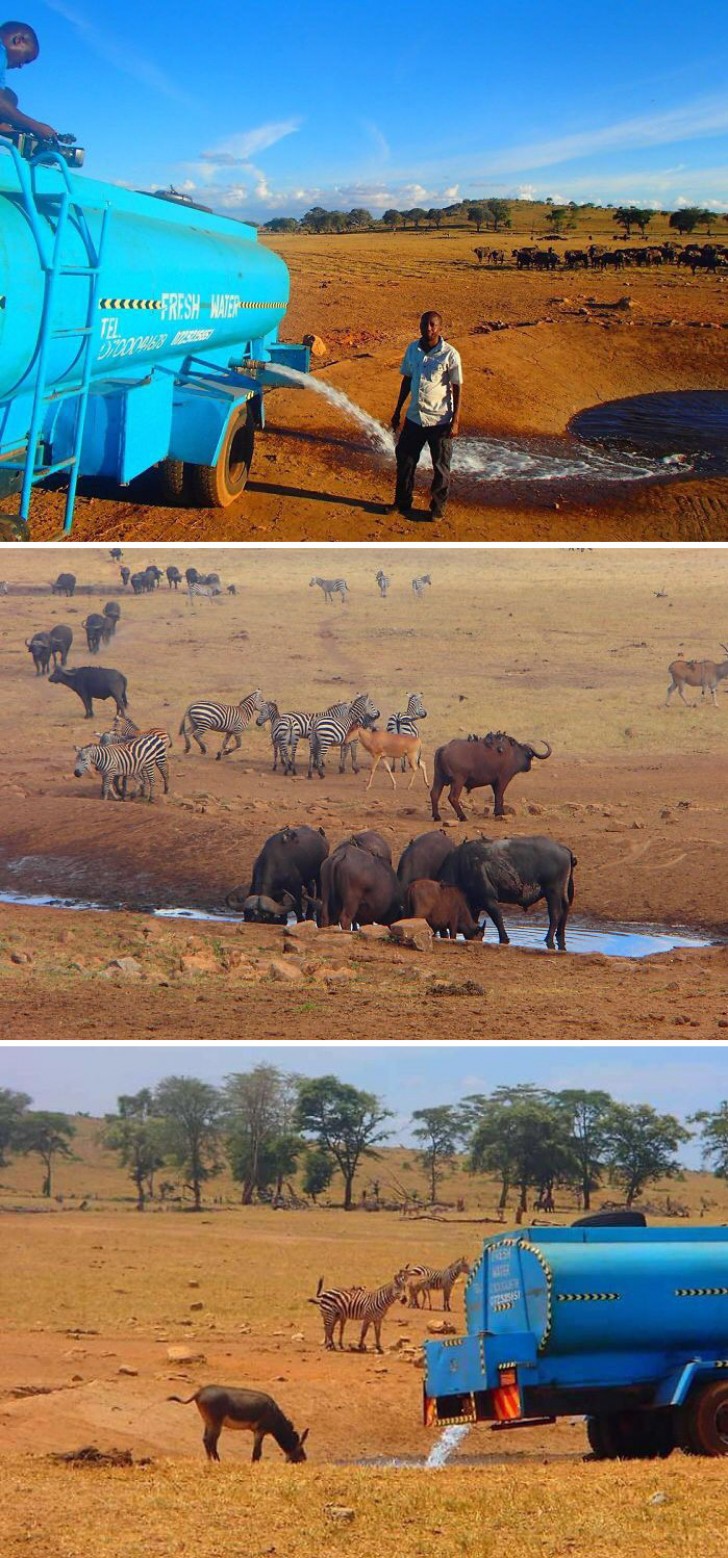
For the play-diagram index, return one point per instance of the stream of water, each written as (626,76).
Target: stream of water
(495,459)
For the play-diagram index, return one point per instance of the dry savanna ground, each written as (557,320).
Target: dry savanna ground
(95,1299)
(559,345)
(567,646)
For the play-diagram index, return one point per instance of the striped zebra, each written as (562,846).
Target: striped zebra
(288,729)
(426,1281)
(332,730)
(383,583)
(406,723)
(124,730)
(330,587)
(419,585)
(202,592)
(337,1305)
(230,718)
(128,760)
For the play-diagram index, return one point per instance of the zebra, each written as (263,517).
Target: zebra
(383,583)
(428,1281)
(3,586)
(332,730)
(280,733)
(231,718)
(295,727)
(202,592)
(419,585)
(123,731)
(331,587)
(125,760)
(337,1305)
(406,723)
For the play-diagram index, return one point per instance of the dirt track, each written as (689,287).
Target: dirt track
(545,645)
(560,345)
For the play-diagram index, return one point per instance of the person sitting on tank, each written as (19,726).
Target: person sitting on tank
(19,46)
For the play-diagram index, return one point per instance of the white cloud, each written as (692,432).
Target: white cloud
(236,150)
(691,121)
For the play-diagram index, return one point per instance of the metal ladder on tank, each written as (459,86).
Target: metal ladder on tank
(50,250)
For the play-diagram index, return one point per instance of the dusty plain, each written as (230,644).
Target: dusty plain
(565,645)
(536,349)
(98,1296)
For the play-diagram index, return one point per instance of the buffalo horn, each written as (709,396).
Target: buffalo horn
(540,755)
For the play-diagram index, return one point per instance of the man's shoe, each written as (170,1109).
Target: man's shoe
(395,508)
(436,513)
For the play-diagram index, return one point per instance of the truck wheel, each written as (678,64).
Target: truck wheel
(704,1426)
(172,481)
(217,486)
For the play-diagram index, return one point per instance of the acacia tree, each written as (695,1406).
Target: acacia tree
(500,214)
(344,1122)
(640,1146)
(478,213)
(135,1132)
(714,1135)
(392,218)
(689,218)
(439,1130)
(191,1112)
(318,1172)
(586,1114)
(521,1136)
(49,1135)
(259,1110)
(633,216)
(13,1107)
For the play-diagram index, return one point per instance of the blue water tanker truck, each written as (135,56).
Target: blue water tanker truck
(135,330)
(625,1325)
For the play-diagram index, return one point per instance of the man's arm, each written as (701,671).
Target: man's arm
(455,424)
(10,114)
(404,390)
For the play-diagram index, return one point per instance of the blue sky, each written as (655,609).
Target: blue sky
(675,1079)
(266,110)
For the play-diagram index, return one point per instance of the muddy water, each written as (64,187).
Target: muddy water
(612,940)
(692,423)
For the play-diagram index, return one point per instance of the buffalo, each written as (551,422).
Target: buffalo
(93,681)
(468,765)
(357,888)
(286,875)
(94,625)
(65,584)
(39,646)
(373,843)
(112,610)
(61,638)
(444,907)
(516,870)
(424,857)
(174,577)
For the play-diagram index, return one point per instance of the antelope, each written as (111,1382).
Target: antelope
(385,744)
(697,673)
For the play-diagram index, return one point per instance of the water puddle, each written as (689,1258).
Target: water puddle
(519,460)
(583,935)
(691,423)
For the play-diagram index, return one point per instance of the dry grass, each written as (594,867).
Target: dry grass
(531,1512)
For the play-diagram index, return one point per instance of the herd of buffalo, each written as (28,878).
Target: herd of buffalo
(449,885)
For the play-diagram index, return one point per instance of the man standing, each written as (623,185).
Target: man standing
(432,377)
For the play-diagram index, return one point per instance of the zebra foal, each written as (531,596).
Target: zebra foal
(329,730)
(337,1305)
(426,1280)
(405,722)
(229,718)
(419,585)
(116,763)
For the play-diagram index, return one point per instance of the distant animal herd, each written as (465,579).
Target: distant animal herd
(711,257)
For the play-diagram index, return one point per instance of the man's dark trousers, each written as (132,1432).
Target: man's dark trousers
(410,445)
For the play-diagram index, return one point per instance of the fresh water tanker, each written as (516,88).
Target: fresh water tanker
(627,1325)
(134,331)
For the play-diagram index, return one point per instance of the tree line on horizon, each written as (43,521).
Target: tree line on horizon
(488,215)
(267,1126)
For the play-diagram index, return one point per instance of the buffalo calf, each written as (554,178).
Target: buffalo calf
(445,908)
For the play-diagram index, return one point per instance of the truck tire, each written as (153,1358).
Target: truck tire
(629,1436)
(704,1422)
(172,480)
(217,486)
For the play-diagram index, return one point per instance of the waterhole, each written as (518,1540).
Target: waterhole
(690,423)
(583,934)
